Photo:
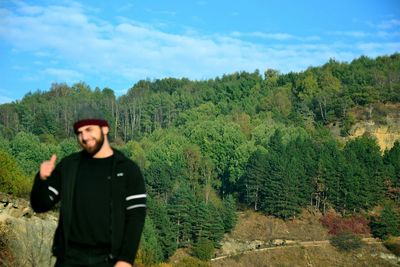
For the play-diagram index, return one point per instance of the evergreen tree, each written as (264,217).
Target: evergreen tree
(150,249)
(229,213)
(388,223)
(391,160)
(280,195)
(252,180)
(364,175)
(165,230)
(180,209)
(203,249)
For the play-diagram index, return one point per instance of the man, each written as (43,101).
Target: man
(103,199)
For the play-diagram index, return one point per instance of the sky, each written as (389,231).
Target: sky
(115,44)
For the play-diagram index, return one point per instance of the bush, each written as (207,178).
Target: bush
(388,223)
(346,241)
(355,224)
(204,249)
(12,179)
(393,244)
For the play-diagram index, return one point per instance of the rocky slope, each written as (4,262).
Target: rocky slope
(259,240)
(25,237)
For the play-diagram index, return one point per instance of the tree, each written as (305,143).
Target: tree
(150,249)
(252,180)
(222,142)
(203,249)
(363,181)
(281,195)
(229,213)
(391,160)
(165,230)
(12,179)
(180,209)
(29,152)
(388,223)
(67,147)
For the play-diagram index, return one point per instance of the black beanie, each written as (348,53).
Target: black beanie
(87,115)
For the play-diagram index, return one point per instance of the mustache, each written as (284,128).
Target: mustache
(87,140)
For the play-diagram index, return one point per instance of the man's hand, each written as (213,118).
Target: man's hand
(47,167)
(122,264)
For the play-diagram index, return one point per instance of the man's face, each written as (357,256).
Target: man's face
(91,138)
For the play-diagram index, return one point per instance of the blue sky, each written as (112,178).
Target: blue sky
(117,43)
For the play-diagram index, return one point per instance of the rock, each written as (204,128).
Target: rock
(28,236)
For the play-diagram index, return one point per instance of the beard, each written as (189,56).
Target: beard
(92,150)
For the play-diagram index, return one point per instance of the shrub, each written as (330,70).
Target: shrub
(355,224)
(204,249)
(12,179)
(388,223)
(346,241)
(393,244)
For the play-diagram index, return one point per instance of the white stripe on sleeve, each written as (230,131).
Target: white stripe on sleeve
(136,206)
(52,189)
(136,196)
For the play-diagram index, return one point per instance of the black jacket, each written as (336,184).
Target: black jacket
(128,203)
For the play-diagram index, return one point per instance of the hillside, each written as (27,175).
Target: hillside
(244,245)
(272,142)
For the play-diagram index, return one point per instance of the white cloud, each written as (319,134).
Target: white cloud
(76,44)
(389,24)
(5,99)
(66,75)
(354,34)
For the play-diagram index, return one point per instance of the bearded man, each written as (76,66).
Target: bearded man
(102,196)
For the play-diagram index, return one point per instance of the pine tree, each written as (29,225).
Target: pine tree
(280,192)
(166,232)
(180,209)
(252,179)
(229,213)
(388,223)
(150,249)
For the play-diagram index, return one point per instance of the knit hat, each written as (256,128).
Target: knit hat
(87,115)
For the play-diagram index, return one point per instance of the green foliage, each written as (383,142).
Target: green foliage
(203,249)
(150,249)
(29,152)
(223,143)
(346,241)
(363,174)
(67,147)
(391,160)
(198,143)
(12,180)
(229,216)
(165,231)
(393,244)
(252,181)
(285,186)
(4,144)
(180,209)
(388,223)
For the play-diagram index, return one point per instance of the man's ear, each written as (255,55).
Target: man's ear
(105,129)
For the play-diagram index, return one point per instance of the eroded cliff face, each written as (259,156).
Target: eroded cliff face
(385,135)
(381,121)
(26,237)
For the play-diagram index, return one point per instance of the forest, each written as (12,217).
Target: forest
(240,141)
